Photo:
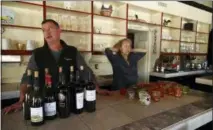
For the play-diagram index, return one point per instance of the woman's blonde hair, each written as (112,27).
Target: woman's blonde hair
(120,43)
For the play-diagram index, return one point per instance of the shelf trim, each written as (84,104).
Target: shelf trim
(187,30)
(98,53)
(203,33)
(69,10)
(112,17)
(165,53)
(144,22)
(16,52)
(171,27)
(170,40)
(24,2)
(187,42)
(25,52)
(20,26)
(64,30)
(117,35)
(201,43)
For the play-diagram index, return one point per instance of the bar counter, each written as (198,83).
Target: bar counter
(117,112)
(206,80)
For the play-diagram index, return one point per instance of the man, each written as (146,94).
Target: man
(54,53)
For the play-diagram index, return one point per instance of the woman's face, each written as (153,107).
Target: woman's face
(125,47)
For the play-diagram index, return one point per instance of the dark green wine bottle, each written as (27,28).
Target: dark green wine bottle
(37,103)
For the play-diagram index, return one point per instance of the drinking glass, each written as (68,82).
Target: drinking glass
(74,23)
(60,19)
(131,94)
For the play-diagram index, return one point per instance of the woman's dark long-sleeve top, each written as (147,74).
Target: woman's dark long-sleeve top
(124,74)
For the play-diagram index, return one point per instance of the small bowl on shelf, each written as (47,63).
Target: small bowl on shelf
(173,50)
(168,50)
(106,12)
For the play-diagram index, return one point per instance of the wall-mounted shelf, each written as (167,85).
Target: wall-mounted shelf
(67,10)
(112,17)
(171,27)
(75,31)
(171,40)
(16,52)
(198,54)
(188,41)
(116,35)
(24,52)
(123,15)
(29,3)
(203,33)
(98,53)
(138,21)
(20,26)
(188,30)
(203,43)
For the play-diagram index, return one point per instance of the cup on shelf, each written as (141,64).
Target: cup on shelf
(173,50)
(21,46)
(6,44)
(31,45)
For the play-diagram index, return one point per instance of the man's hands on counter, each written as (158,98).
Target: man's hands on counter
(18,105)
(15,107)
(103,92)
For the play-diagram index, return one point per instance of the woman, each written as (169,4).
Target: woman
(124,63)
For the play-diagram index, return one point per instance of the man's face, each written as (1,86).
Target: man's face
(51,32)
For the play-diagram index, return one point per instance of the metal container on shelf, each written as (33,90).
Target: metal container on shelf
(31,45)
(6,44)
(198,66)
(192,66)
(162,68)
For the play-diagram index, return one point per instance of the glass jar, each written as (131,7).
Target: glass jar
(156,95)
(123,91)
(185,89)
(144,98)
(177,91)
(131,94)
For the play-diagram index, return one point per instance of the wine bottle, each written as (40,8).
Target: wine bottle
(37,104)
(63,96)
(27,97)
(90,95)
(79,95)
(49,98)
(71,86)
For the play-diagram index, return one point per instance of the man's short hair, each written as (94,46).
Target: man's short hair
(50,20)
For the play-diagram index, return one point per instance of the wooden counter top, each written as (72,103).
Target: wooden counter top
(118,113)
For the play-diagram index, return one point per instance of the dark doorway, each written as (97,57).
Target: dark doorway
(131,36)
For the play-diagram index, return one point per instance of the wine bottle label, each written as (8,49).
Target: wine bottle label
(50,109)
(61,97)
(36,114)
(79,100)
(90,95)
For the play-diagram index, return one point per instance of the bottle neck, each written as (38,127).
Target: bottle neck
(36,82)
(47,79)
(30,81)
(62,79)
(77,76)
(36,88)
(89,77)
(71,77)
